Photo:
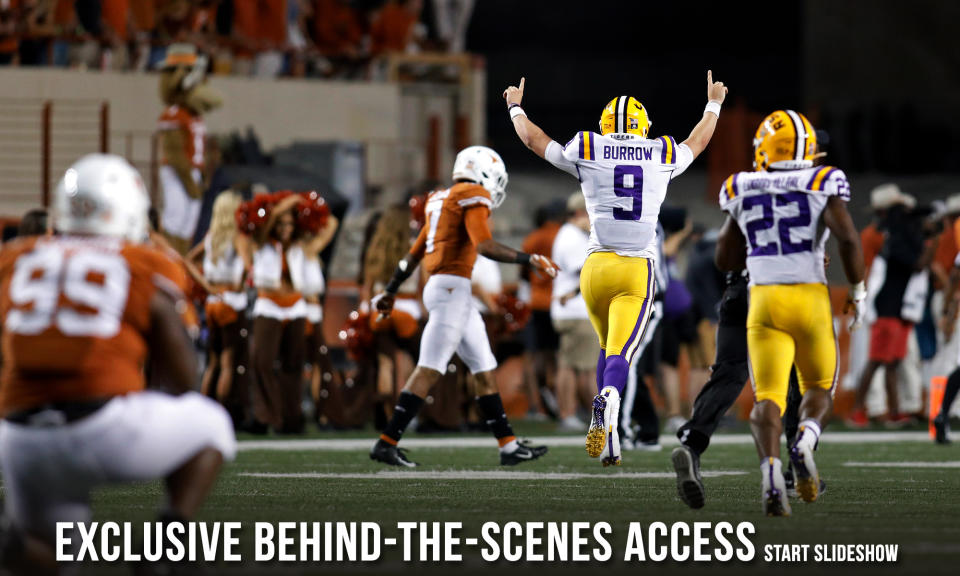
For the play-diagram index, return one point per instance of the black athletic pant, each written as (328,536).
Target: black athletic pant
(730,372)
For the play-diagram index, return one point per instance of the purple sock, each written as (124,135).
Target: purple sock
(601,366)
(615,372)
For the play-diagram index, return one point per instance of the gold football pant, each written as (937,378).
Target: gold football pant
(787,325)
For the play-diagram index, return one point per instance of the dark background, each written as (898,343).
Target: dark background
(883,77)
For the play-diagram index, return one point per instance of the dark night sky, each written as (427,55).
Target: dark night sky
(579,55)
(873,72)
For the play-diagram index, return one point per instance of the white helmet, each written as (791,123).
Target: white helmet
(102,195)
(485,167)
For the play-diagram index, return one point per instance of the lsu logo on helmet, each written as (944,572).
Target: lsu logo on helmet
(625,115)
(785,140)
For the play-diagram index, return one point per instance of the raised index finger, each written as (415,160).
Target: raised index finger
(522,81)
(709,77)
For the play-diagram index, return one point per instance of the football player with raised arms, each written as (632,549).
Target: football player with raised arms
(780,217)
(456,231)
(624,176)
(80,312)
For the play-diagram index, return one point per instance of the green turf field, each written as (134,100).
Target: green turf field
(913,506)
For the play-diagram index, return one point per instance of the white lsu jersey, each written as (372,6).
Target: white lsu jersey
(780,215)
(624,179)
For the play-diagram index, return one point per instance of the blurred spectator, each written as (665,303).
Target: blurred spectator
(9,31)
(299,42)
(394,28)
(245,35)
(338,29)
(543,339)
(679,328)
(897,284)
(579,348)
(451,18)
(38,19)
(272,37)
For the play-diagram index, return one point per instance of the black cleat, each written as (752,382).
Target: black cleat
(525,452)
(390,454)
(686,463)
(941,426)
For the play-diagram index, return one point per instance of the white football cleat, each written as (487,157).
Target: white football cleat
(601,423)
(774,497)
(807,478)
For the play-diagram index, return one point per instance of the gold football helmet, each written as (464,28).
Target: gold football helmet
(785,140)
(625,115)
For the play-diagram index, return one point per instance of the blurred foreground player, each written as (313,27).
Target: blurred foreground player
(456,230)
(80,311)
(624,178)
(778,214)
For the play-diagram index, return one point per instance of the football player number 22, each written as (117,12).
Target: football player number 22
(628,183)
(766,221)
(95,286)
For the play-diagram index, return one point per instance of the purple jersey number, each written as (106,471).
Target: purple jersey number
(635,191)
(802,219)
(765,222)
(784,225)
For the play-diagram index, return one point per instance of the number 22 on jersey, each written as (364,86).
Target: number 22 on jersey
(787,226)
(79,293)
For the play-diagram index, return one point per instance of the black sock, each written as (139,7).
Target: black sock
(950,394)
(694,440)
(491,406)
(407,407)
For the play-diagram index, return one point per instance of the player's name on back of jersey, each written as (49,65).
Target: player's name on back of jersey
(635,153)
(772,181)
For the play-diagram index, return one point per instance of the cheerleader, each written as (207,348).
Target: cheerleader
(226,374)
(389,241)
(313,289)
(280,311)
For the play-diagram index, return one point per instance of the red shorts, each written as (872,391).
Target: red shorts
(888,339)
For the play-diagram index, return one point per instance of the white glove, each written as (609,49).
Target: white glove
(858,301)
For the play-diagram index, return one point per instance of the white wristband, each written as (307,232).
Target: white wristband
(713,106)
(516,111)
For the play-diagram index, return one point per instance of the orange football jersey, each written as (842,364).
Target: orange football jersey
(75,314)
(193,128)
(448,241)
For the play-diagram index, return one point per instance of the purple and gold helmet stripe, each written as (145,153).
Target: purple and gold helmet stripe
(622,113)
(800,144)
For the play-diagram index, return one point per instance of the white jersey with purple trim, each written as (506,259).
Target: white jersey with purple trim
(780,215)
(624,179)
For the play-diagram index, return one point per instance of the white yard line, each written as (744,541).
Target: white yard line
(953,464)
(353,444)
(475,475)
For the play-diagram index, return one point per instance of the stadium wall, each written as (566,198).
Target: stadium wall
(392,120)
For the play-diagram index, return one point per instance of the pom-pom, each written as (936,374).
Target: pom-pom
(312,213)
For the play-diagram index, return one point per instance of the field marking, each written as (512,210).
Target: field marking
(474,475)
(953,464)
(354,444)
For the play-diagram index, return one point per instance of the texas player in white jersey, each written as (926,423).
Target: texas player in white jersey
(624,177)
(780,217)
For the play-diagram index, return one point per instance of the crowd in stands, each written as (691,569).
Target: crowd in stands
(266,38)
